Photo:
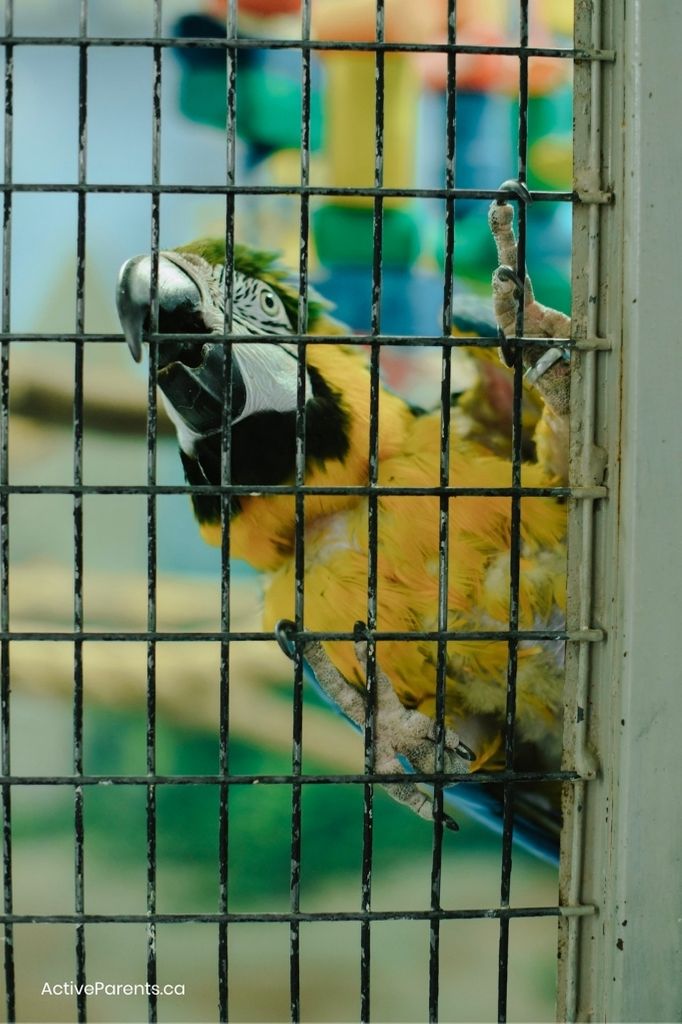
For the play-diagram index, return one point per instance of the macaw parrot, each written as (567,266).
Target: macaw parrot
(191,301)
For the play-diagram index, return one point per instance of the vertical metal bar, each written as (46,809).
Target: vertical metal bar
(299,522)
(372,521)
(444,506)
(588,141)
(152,522)
(305,198)
(515,541)
(10,998)
(583,759)
(225,506)
(79,866)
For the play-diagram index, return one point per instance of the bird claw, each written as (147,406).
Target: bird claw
(284,630)
(507,348)
(546,368)
(517,188)
(507,274)
(404,740)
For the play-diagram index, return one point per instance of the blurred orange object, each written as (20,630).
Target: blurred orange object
(264,8)
(482,23)
(406,21)
(476,72)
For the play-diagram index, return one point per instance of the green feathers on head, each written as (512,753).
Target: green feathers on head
(261,265)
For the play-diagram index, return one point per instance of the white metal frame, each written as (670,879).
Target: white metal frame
(621,958)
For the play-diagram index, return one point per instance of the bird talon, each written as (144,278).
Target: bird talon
(466,753)
(518,188)
(283,635)
(507,348)
(360,632)
(505,273)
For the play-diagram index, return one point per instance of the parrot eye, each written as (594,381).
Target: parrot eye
(257,307)
(268,302)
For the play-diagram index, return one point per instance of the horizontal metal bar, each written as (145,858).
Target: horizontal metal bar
(599,198)
(257,43)
(579,910)
(594,54)
(107,636)
(329,779)
(323,191)
(592,493)
(494,913)
(293,489)
(592,344)
(589,636)
(360,340)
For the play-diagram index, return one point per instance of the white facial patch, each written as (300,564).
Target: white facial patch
(269,373)
(187,438)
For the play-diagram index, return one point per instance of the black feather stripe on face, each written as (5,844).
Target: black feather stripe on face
(264,448)
(261,265)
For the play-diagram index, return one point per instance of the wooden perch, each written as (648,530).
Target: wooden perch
(187,674)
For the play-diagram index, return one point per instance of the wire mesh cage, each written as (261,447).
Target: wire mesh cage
(225,920)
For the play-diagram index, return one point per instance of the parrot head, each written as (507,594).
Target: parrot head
(191,292)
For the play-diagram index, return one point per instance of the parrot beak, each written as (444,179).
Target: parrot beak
(179,296)
(190,373)
(194,395)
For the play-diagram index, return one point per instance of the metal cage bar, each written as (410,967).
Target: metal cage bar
(515,538)
(9,967)
(443,515)
(370,46)
(152,531)
(299,532)
(79,358)
(282,190)
(225,571)
(373,514)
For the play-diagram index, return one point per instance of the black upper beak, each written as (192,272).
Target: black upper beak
(191,374)
(178,295)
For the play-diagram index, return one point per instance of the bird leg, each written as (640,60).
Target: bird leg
(538,321)
(548,369)
(403,739)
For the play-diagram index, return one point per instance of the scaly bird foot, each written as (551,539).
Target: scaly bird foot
(546,368)
(401,735)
